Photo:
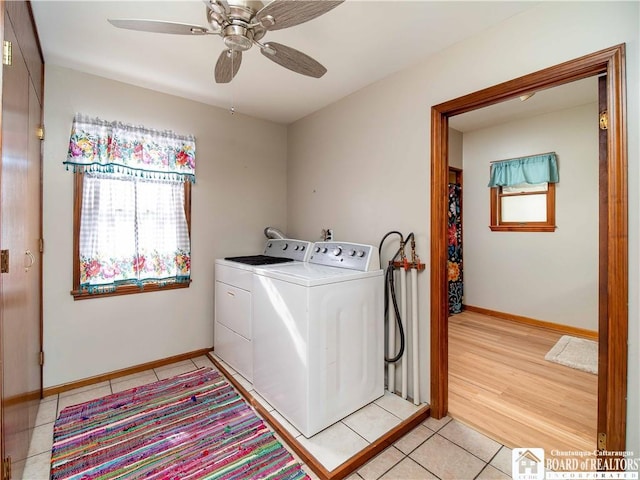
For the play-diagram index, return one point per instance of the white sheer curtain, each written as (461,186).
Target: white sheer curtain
(133,230)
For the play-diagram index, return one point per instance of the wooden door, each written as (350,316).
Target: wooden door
(20,233)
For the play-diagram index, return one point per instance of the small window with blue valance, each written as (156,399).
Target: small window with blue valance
(523,193)
(532,170)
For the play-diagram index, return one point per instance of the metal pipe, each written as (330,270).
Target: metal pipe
(414,333)
(403,315)
(272,232)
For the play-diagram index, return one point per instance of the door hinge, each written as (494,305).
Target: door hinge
(4,261)
(41,245)
(604,120)
(602,441)
(6,468)
(41,358)
(40,133)
(7,54)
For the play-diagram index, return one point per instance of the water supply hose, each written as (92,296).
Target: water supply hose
(390,291)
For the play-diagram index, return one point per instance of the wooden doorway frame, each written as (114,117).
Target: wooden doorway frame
(613,261)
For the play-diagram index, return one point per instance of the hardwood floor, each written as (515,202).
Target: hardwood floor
(500,384)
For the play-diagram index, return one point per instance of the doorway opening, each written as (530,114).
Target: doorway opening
(613,243)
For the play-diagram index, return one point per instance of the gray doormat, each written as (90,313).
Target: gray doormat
(575,352)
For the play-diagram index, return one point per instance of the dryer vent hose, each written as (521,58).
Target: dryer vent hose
(272,232)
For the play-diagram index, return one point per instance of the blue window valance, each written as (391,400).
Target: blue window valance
(533,169)
(103,146)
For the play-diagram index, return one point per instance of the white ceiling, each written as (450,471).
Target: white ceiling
(360,42)
(565,96)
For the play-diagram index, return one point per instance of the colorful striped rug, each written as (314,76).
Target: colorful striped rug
(193,426)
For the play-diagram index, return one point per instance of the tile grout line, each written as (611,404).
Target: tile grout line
(480,472)
(465,449)
(389,411)
(421,443)
(496,454)
(368,442)
(404,457)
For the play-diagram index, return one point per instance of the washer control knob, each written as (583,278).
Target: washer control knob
(337,251)
(361,253)
(324,250)
(317,249)
(302,248)
(297,247)
(285,246)
(352,253)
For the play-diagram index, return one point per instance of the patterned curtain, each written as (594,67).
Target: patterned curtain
(114,147)
(133,226)
(454,264)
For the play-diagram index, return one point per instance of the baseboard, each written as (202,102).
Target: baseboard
(123,372)
(565,329)
(21,399)
(353,463)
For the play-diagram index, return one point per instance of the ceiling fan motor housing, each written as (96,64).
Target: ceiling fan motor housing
(238,38)
(235,25)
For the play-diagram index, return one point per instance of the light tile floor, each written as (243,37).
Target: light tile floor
(435,449)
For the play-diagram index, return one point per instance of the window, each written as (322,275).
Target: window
(523,194)
(524,208)
(132,209)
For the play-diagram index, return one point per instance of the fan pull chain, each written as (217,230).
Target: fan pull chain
(232,110)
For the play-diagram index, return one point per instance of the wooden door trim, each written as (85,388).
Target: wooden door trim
(610,61)
(2,447)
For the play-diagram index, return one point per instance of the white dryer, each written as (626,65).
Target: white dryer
(232,335)
(318,336)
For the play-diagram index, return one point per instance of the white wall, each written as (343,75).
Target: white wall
(547,276)
(240,188)
(362,164)
(455,148)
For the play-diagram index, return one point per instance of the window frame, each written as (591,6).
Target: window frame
(81,294)
(497,225)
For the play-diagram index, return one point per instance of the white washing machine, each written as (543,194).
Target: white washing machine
(318,336)
(233,311)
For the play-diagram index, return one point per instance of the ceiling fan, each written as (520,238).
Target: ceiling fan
(242,24)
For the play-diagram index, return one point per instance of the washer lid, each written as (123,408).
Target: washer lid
(311,275)
(258,260)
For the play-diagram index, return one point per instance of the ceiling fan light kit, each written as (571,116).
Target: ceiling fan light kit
(243,23)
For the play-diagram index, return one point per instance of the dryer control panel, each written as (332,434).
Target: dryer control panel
(354,256)
(298,250)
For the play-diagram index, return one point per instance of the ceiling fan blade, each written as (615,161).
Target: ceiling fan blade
(287,13)
(227,66)
(158,26)
(293,60)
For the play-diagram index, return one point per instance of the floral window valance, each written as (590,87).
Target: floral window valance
(113,147)
(533,169)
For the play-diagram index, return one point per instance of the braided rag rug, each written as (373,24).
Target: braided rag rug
(193,426)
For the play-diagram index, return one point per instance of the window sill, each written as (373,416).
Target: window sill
(523,228)
(129,290)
